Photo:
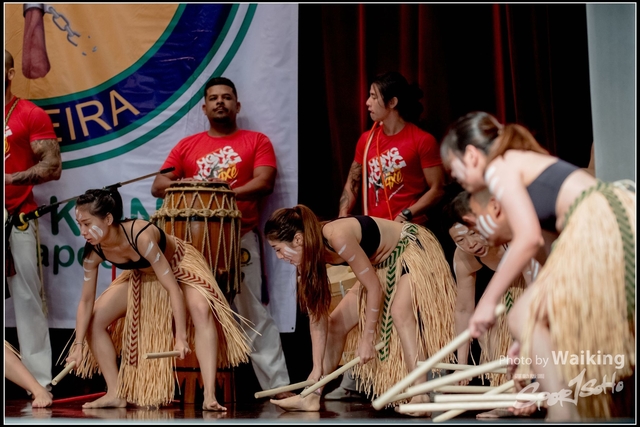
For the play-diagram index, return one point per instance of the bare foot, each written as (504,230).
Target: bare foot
(283,395)
(310,403)
(106,413)
(421,398)
(107,401)
(213,405)
(42,398)
(213,415)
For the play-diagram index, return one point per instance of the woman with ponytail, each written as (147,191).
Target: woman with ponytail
(404,297)
(583,299)
(164,279)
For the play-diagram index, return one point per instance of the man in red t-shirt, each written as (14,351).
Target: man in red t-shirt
(402,167)
(403,175)
(246,160)
(31,157)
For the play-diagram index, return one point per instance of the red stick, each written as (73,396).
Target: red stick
(86,396)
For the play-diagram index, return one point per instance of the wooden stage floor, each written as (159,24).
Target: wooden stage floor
(19,411)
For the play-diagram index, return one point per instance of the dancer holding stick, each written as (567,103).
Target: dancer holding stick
(583,300)
(164,277)
(405,296)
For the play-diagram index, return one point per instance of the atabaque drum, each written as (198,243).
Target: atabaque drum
(205,214)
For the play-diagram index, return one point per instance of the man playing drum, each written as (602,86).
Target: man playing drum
(246,160)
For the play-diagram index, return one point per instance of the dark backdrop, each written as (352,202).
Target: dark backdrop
(526,64)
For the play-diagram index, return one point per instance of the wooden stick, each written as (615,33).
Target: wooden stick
(160,355)
(64,372)
(447,398)
(328,378)
(289,387)
(508,386)
(457,367)
(83,397)
(448,379)
(423,368)
(464,389)
(466,406)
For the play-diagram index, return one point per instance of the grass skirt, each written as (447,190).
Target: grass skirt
(585,292)
(148,327)
(433,293)
(496,342)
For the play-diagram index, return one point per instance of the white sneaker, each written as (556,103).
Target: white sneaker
(341,393)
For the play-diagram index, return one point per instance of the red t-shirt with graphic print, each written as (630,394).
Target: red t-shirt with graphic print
(27,123)
(231,158)
(403,157)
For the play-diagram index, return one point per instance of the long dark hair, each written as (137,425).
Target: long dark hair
(393,84)
(314,292)
(480,130)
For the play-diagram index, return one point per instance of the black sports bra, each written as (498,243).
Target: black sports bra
(370,241)
(142,262)
(544,192)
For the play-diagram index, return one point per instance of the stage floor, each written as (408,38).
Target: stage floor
(19,411)
(260,412)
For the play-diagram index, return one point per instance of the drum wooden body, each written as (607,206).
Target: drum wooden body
(342,279)
(205,214)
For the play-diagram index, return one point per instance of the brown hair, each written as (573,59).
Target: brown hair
(314,292)
(481,129)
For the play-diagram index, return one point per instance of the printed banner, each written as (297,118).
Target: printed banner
(124,85)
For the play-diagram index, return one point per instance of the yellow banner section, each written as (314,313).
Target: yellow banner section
(112,38)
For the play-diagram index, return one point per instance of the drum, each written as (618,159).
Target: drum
(342,279)
(205,214)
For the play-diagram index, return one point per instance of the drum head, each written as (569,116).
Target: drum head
(193,185)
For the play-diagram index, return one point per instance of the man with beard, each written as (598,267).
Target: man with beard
(246,160)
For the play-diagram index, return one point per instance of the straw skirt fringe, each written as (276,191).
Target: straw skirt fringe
(580,294)
(433,293)
(496,342)
(148,327)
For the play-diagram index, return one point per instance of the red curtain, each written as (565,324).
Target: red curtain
(526,64)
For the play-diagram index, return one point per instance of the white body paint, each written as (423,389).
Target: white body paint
(148,249)
(483,227)
(98,230)
(342,249)
(364,271)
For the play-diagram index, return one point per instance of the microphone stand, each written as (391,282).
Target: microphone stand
(21,221)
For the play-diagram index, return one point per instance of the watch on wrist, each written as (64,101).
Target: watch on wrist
(407,214)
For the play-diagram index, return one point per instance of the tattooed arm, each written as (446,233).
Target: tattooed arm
(351,190)
(49,167)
